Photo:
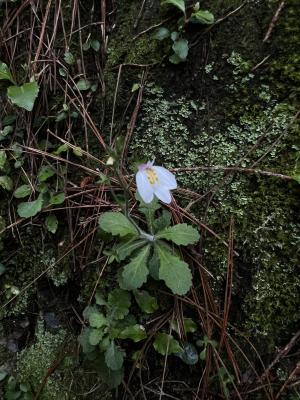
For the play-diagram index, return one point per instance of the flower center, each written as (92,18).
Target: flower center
(151,175)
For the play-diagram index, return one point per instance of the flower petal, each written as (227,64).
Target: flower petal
(143,186)
(165,177)
(163,194)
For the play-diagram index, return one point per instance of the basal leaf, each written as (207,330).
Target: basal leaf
(5,72)
(124,250)
(83,339)
(180,4)
(134,332)
(45,172)
(51,223)
(180,234)
(6,183)
(202,17)
(181,48)
(3,158)
(162,33)
(173,271)
(95,336)
(117,224)
(24,96)
(30,208)
(57,198)
(97,320)
(166,344)
(110,377)
(136,272)
(147,303)
(119,303)
(114,357)
(22,191)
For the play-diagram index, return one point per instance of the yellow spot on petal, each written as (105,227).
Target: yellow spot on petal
(151,175)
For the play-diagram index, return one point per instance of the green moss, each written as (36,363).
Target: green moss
(35,361)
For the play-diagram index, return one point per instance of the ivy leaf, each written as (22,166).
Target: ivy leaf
(134,332)
(136,272)
(180,4)
(117,224)
(119,302)
(173,271)
(180,234)
(30,208)
(124,250)
(23,96)
(45,172)
(97,320)
(181,48)
(147,303)
(202,17)
(114,357)
(95,336)
(22,191)
(51,223)
(165,343)
(162,34)
(3,158)
(6,183)
(56,199)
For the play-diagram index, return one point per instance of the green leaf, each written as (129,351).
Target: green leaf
(6,182)
(189,326)
(136,272)
(5,72)
(45,172)
(119,302)
(51,223)
(134,332)
(95,44)
(189,354)
(174,59)
(3,158)
(77,151)
(180,4)
(162,34)
(180,234)
(181,48)
(95,336)
(22,191)
(114,357)
(153,266)
(203,354)
(56,199)
(23,96)
(3,374)
(165,343)
(135,87)
(147,303)
(174,36)
(97,320)
(2,270)
(123,250)
(117,224)
(296,177)
(69,58)
(31,208)
(82,84)
(84,340)
(110,377)
(202,17)
(173,271)
(61,149)
(99,299)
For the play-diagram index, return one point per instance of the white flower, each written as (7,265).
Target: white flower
(153,180)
